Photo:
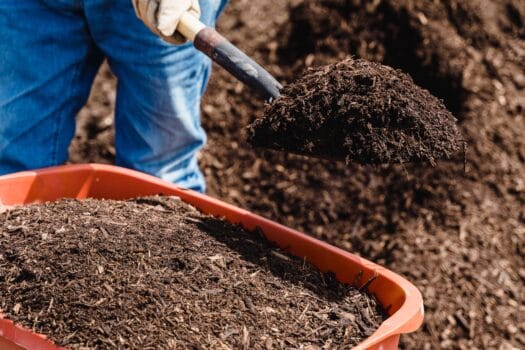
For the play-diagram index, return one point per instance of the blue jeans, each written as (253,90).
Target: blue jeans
(50,51)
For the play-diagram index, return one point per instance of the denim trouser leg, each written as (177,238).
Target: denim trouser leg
(159,86)
(47,64)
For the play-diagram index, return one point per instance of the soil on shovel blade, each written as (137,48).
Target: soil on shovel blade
(357,110)
(154,273)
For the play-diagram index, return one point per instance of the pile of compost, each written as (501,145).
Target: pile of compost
(456,234)
(360,111)
(155,273)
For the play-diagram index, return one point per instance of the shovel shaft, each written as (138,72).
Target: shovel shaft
(228,56)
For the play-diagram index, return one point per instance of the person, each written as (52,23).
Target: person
(50,52)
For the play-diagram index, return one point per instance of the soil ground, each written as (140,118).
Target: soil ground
(457,233)
(155,273)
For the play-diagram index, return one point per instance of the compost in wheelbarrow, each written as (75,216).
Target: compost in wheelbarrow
(85,273)
(96,181)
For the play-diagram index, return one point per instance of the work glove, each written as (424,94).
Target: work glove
(162,16)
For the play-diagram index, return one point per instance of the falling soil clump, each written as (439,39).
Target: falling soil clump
(155,273)
(361,111)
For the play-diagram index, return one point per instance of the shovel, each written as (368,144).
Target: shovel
(441,142)
(228,56)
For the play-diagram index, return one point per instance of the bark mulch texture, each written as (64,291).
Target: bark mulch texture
(155,273)
(458,235)
(356,110)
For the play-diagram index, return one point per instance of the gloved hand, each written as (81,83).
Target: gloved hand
(162,16)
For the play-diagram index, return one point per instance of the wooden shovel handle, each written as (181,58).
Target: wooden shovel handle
(228,56)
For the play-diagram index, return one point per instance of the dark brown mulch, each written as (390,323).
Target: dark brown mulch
(154,273)
(356,110)
(456,234)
